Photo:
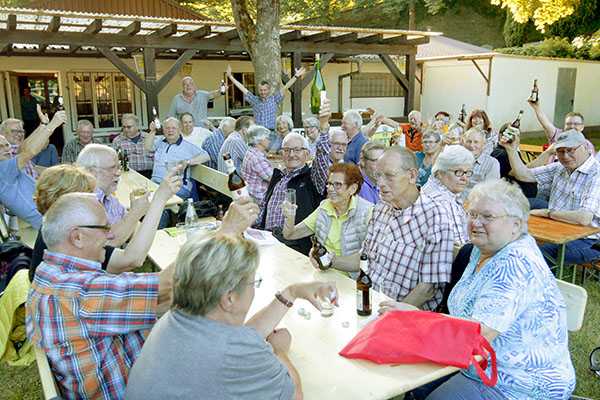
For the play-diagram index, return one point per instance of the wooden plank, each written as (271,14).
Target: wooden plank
(228,35)
(212,178)
(11,25)
(46,378)
(131,29)
(411,72)
(296,91)
(166,31)
(166,78)
(94,27)
(403,40)
(11,22)
(391,66)
(308,77)
(198,33)
(150,78)
(376,38)
(123,68)
(318,37)
(557,232)
(289,36)
(347,37)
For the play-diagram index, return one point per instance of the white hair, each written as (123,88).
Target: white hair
(337,131)
(507,196)
(256,133)
(69,211)
(311,122)
(416,113)
(227,122)
(451,157)
(354,117)
(84,123)
(91,156)
(5,126)
(295,135)
(285,119)
(132,118)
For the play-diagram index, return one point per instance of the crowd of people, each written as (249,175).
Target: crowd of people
(411,206)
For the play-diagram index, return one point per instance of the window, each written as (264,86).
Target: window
(100,97)
(372,84)
(235,97)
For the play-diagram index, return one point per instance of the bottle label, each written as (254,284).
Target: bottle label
(325,260)
(363,300)
(229,165)
(241,192)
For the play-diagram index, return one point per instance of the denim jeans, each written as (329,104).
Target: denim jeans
(576,252)
(459,387)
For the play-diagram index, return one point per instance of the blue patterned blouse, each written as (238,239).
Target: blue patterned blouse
(516,294)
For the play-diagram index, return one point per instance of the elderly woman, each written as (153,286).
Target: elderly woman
(283,126)
(432,144)
(479,119)
(311,132)
(66,178)
(508,288)
(450,176)
(226,355)
(340,223)
(256,169)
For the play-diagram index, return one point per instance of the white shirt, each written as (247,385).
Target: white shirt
(198,136)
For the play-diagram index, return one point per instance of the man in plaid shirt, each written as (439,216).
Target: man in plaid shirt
(572,186)
(256,168)
(235,145)
(131,141)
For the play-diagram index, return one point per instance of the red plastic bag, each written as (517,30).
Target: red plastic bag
(411,337)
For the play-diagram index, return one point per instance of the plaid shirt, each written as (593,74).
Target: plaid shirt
(454,208)
(236,146)
(257,172)
(212,145)
(90,324)
(114,209)
(318,173)
(571,192)
(29,168)
(71,151)
(485,168)
(410,246)
(139,159)
(265,111)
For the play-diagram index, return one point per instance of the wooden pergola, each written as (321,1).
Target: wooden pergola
(44,33)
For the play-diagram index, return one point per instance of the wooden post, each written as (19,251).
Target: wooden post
(150,78)
(296,91)
(410,72)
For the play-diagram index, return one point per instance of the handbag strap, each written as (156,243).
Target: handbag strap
(485,345)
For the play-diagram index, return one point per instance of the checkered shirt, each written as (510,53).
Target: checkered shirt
(115,211)
(485,168)
(491,141)
(257,172)
(71,151)
(265,111)
(236,146)
(579,190)
(454,207)
(139,159)
(318,173)
(410,246)
(90,324)
(212,145)
(29,168)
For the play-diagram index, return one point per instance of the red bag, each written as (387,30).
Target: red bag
(411,337)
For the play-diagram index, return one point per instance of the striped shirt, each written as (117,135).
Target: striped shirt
(139,159)
(90,324)
(212,145)
(579,190)
(115,211)
(236,146)
(265,111)
(485,168)
(257,172)
(453,204)
(410,246)
(71,151)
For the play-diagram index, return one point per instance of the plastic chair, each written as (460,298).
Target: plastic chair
(576,300)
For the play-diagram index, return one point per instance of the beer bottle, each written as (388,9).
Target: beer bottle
(222,87)
(517,122)
(191,218)
(125,161)
(320,254)
(220,213)
(235,183)
(534,96)
(13,227)
(462,116)
(156,120)
(317,89)
(61,104)
(363,288)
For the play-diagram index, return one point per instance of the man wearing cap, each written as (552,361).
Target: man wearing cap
(572,186)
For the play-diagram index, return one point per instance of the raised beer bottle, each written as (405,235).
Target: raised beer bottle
(462,116)
(517,122)
(317,89)
(156,121)
(363,288)
(222,87)
(320,254)
(235,183)
(61,104)
(534,96)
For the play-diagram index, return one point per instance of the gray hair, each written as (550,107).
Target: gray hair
(367,147)
(285,119)
(4,126)
(131,117)
(415,113)
(84,123)
(407,158)
(206,123)
(295,135)
(207,267)
(172,119)
(91,156)
(354,117)
(451,157)
(473,131)
(433,133)
(311,122)
(505,195)
(256,133)
(227,122)
(69,211)
(337,131)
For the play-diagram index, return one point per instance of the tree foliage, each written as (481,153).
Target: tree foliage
(543,12)
(584,20)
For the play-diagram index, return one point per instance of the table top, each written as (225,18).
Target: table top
(131,180)
(317,341)
(557,232)
(532,148)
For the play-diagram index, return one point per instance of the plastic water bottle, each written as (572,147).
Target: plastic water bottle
(191,218)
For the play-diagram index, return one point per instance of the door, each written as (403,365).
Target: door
(565,94)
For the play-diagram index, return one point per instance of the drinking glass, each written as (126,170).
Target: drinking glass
(290,196)
(181,233)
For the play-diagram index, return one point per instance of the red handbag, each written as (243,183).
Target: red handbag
(411,337)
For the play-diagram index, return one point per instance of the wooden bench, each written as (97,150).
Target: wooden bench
(212,178)
(47,379)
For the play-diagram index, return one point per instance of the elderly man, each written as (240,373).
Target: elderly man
(131,142)
(212,144)
(102,318)
(171,148)
(265,105)
(103,163)
(352,125)
(486,167)
(339,145)
(311,131)
(257,171)
(235,144)
(84,136)
(13,132)
(308,182)
(573,188)
(413,132)
(17,187)
(191,100)
(370,153)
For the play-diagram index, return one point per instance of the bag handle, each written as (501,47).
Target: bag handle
(485,345)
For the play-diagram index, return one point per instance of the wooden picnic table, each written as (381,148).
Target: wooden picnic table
(530,151)
(317,341)
(561,233)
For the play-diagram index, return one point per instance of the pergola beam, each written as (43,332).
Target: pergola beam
(318,37)
(53,26)
(325,58)
(166,31)
(391,66)
(123,68)
(170,74)
(289,36)
(11,25)
(131,29)
(228,35)
(376,38)
(347,37)
(94,27)
(198,33)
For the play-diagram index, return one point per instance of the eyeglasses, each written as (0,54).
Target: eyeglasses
(484,218)
(429,142)
(460,172)
(289,150)
(105,228)
(565,151)
(336,185)
(256,283)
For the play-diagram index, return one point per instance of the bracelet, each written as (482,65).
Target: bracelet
(283,300)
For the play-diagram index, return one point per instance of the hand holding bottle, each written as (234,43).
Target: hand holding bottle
(299,72)
(228,71)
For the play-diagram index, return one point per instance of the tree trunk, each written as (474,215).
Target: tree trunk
(261,39)
(412,15)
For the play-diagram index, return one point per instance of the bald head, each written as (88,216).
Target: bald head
(401,157)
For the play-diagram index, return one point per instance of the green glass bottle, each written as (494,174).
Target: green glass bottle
(317,89)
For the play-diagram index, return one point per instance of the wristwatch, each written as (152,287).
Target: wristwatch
(283,300)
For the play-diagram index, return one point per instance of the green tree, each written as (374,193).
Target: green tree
(543,12)
(584,21)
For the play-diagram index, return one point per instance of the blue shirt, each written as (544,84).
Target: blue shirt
(369,190)
(16,192)
(47,157)
(515,294)
(265,111)
(178,151)
(354,146)
(424,170)
(212,145)
(198,107)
